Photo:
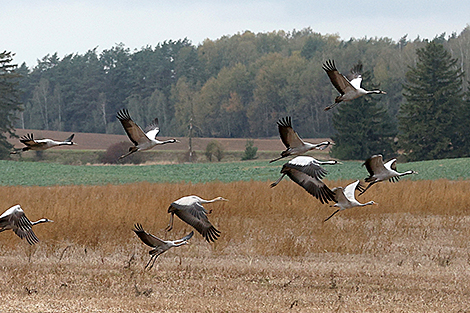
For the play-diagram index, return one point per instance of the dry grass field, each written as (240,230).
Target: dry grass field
(410,253)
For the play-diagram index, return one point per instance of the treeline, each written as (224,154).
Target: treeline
(235,86)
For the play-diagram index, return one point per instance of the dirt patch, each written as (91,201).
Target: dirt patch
(320,283)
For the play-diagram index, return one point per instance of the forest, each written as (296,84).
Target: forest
(235,86)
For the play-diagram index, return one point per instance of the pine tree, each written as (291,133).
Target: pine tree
(363,128)
(430,120)
(9,101)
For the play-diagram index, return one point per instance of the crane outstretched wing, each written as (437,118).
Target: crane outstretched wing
(312,185)
(350,189)
(15,219)
(339,81)
(134,132)
(374,164)
(70,138)
(187,237)
(195,215)
(147,238)
(289,136)
(152,130)
(29,141)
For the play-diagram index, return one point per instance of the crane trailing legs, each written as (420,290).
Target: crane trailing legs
(345,198)
(380,171)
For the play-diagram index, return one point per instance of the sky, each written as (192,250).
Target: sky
(34,28)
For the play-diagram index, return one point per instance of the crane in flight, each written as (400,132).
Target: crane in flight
(380,171)
(345,198)
(159,246)
(15,219)
(42,144)
(294,144)
(308,173)
(190,210)
(142,140)
(349,89)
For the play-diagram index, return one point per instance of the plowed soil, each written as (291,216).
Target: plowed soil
(91,141)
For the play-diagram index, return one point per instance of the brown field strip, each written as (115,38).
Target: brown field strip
(409,253)
(93,141)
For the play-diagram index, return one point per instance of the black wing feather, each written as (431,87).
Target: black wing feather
(197,219)
(70,138)
(313,186)
(313,170)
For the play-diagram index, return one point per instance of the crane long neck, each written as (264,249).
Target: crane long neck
(323,143)
(168,141)
(406,173)
(327,162)
(210,201)
(42,220)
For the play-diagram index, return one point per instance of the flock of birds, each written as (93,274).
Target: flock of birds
(308,172)
(304,170)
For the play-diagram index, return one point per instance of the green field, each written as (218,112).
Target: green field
(49,174)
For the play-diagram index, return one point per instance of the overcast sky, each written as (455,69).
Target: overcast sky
(34,28)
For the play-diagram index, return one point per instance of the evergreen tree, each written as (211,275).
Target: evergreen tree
(9,100)
(462,140)
(362,128)
(431,120)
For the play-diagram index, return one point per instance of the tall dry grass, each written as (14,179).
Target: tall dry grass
(257,220)
(409,253)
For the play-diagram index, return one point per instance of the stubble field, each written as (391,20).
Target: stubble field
(407,254)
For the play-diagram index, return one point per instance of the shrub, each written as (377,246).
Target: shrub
(112,154)
(250,151)
(39,155)
(185,157)
(214,149)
